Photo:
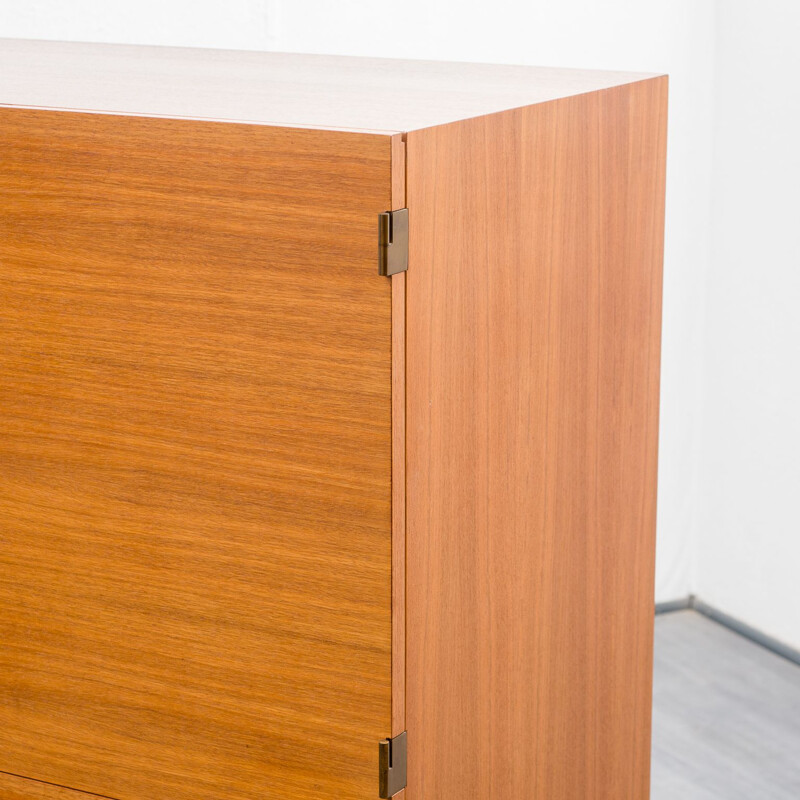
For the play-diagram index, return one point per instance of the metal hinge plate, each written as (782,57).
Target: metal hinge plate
(393,242)
(392,765)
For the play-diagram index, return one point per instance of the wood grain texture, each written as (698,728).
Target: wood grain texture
(398,171)
(533,335)
(398,506)
(398,459)
(398,462)
(13,787)
(195,504)
(334,92)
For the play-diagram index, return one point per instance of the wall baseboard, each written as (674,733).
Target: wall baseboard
(733,624)
(674,605)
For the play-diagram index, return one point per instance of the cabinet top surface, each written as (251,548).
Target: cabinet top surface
(310,91)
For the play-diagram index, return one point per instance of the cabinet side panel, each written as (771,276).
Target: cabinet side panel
(195,499)
(533,340)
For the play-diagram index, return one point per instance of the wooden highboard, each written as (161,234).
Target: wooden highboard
(274,525)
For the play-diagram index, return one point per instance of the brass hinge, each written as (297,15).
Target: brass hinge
(392,765)
(393,242)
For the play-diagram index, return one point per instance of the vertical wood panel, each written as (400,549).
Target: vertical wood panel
(398,459)
(196,413)
(398,462)
(532,420)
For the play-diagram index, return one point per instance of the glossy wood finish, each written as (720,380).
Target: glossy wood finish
(195,505)
(533,331)
(333,92)
(13,787)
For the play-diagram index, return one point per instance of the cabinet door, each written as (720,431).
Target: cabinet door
(195,458)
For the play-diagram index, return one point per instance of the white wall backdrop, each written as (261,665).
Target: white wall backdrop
(748,542)
(728,471)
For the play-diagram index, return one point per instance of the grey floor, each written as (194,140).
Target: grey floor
(726,715)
